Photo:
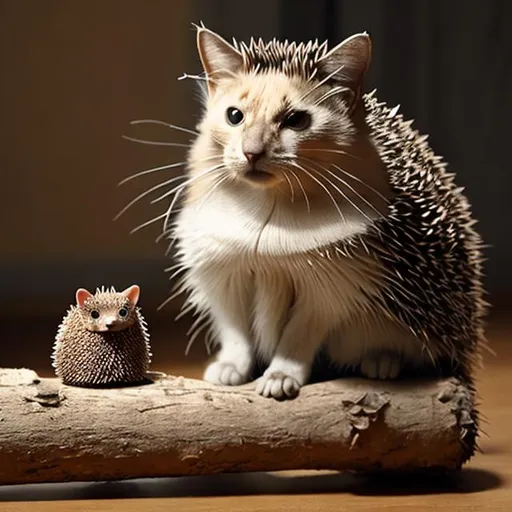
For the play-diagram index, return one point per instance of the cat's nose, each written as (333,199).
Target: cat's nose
(253,157)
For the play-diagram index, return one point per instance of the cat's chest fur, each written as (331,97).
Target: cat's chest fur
(248,225)
(272,251)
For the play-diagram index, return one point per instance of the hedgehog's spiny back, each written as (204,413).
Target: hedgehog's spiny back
(85,358)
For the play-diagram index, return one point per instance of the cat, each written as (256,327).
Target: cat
(286,227)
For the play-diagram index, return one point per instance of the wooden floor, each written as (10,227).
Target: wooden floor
(485,484)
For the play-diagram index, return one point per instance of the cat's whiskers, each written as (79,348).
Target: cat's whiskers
(189,181)
(163,168)
(344,171)
(149,222)
(369,203)
(167,125)
(292,191)
(342,194)
(165,229)
(179,187)
(359,180)
(175,127)
(387,276)
(149,171)
(156,142)
(146,193)
(344,183)
(178,190)
(217,184)
(219,180)
(338,151)
(327,191)
(301,186)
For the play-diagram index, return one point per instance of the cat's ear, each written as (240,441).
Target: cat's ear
(133,293)
(81,296)
(348,62)
(219,58)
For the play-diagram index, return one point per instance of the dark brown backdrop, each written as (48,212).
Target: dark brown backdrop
(75,72)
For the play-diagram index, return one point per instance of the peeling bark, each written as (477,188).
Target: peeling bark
(176,426)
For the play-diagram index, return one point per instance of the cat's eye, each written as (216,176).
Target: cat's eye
(95,314)
(297,120)
(234,116)
(123,312)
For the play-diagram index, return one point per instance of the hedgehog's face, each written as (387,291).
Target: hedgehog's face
(292,122)
(108,311)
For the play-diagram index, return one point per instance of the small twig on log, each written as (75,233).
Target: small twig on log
(176,426)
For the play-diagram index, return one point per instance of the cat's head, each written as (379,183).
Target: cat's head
(278,113)
(108,310)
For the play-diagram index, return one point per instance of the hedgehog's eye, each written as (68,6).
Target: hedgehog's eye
(297,120)
(234,116)
(123,312)
(95,314)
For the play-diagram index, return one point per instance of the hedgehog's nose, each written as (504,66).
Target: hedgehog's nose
(110,323)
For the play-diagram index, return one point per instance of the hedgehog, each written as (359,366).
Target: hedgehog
(316,220)
(103,340)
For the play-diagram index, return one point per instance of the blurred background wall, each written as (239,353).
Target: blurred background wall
(74,73)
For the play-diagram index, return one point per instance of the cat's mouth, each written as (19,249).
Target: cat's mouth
(258,175)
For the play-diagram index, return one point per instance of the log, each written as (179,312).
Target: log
(175,426)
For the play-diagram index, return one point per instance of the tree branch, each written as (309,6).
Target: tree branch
(176,426)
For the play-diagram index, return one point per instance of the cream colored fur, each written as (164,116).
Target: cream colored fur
(265,260)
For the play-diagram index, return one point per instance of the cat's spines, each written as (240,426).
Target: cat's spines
(290,58)
(361,284)
(442,225)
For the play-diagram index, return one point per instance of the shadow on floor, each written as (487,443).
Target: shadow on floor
(467,481)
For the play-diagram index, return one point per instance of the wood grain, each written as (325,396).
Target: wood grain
(485,483)
(175,426)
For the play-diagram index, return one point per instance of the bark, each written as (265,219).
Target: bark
(176,426)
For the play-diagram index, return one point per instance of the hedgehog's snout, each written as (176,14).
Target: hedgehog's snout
(107,324)
(110,323)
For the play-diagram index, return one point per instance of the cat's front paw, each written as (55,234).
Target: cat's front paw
(384,365)
(225,373)
(277,385)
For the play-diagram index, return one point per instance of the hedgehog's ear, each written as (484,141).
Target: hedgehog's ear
(219,58)
(133,293)
(81,296)
(348,62)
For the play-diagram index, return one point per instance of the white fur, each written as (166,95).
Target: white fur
(261,270)
(265,264)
